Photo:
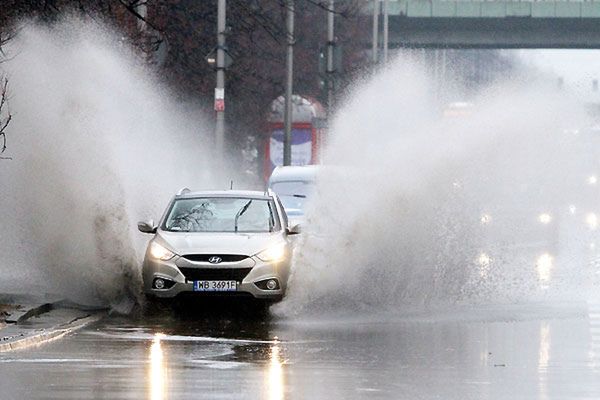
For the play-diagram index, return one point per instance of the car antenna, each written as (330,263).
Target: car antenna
(231,185)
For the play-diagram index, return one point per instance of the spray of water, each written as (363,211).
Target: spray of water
(97,144)
(417,208)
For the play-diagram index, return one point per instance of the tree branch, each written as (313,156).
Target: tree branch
(4,123)
(132,7)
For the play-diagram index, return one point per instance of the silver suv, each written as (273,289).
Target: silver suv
(219,242)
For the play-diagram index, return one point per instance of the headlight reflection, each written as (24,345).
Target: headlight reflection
(543,359)
(158,370)
(545,218)
(544,351)
(275,380)
(543,265)
(485,219)
(484,261)
(592,221)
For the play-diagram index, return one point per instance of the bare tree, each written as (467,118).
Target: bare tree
(4,121)
(255,38)
(5,117)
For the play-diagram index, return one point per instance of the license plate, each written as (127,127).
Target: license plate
(215,286)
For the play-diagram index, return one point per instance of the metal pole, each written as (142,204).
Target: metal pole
(287,138)
(330,44)
(375,30)
(385,31)
(220,88)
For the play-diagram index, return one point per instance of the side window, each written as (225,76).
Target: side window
(282,212)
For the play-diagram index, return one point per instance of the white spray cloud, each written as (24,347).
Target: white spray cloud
(97,144)
(397,219)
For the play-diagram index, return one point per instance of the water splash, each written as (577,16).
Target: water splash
(97,144)
(418,209)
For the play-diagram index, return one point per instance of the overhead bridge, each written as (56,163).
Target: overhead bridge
(492,24)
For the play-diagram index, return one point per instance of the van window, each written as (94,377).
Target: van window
(293,195)
(290,188)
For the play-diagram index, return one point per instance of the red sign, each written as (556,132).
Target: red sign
(219,104)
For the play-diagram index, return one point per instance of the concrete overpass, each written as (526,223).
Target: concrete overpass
(492,24)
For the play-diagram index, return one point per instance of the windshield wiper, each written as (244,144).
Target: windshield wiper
(240,213)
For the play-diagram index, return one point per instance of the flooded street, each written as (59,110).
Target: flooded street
(428,222)
(501,353)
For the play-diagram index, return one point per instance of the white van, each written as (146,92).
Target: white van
(294,185)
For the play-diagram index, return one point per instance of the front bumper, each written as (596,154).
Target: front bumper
(171,270)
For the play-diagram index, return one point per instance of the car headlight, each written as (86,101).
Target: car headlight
(273,253)
(159,252)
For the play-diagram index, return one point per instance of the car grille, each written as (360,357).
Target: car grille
(223,257)
(214,274)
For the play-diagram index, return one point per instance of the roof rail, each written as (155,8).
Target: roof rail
(183,191)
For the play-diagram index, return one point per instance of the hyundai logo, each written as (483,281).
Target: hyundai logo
(215,260)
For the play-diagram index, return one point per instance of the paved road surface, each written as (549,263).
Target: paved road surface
(525,352)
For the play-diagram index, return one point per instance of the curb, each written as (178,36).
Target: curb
(26,312)
(25,306)
(43,336)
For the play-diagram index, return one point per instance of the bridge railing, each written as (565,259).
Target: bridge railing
(490,9)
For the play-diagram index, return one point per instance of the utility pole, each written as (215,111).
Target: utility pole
(220,88)
(375,30)
(287,116)
(385,31)
(330,48)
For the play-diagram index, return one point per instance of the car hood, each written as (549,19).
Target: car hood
(217,243)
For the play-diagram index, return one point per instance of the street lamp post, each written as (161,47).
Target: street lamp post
(375,30)
(330,44)
(287,117)
(385,31)
(220,87)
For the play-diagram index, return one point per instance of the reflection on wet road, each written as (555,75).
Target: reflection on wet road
(481,353)
(158,370)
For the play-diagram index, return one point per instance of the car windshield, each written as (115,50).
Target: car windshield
(293,195)
(222,214)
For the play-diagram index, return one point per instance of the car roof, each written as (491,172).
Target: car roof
(254,194)
(294,173)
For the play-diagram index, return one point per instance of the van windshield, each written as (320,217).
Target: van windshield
(293,194)
(222,214)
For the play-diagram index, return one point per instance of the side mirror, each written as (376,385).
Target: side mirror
(147,226)
(293,230)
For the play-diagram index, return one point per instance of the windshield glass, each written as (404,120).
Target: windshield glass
(293,205)
(222,214)
(293,195)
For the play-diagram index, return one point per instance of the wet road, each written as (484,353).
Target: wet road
(517,352)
